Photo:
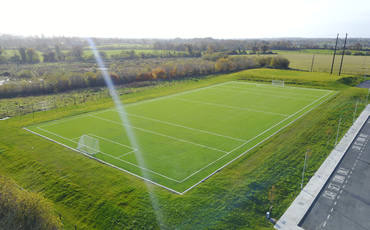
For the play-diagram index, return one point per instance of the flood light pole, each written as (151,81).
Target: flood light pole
(304,167)
(335,50)
(344,47)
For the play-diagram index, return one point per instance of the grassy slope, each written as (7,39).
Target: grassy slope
(95,196)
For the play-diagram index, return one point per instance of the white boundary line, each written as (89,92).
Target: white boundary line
(181,126)
(233,107)
(256,144)
(160,134)
(145,179)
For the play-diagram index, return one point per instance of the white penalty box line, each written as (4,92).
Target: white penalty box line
(133,149)
(127,162)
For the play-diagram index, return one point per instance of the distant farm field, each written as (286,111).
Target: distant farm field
(323,62)
(137,51)
(177,141)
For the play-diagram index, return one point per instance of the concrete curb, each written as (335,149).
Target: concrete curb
(298,209)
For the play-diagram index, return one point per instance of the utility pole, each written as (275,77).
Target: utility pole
(304,167)
(313,58)
(344,47)
(335,50)
(363,65)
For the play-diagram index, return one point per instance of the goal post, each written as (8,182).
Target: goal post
(88,144)
(277,82)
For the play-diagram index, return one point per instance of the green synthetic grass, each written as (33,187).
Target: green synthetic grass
(184,138)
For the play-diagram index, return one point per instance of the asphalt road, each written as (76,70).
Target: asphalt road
(364,84)
(344,201)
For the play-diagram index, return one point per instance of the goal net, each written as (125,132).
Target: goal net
(88,145)
(277,83)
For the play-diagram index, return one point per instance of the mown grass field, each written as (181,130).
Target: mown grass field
(184,138)
(137,51)
(322,62)
(92,195)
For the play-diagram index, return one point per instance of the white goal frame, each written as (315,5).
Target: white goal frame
(277,83)
(88,144)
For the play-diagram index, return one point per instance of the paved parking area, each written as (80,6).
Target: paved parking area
(338,195)
(344,202)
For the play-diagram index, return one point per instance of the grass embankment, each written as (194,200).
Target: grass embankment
(95,196)
(305,79)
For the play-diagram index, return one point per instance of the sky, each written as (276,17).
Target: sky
(186,18)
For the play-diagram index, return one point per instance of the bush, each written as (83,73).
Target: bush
(279,62)
(20,209)
(264,61)
(214,56)
(24,74)
(358,53)
(346,52)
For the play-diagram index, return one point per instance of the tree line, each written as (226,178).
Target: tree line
(60,82)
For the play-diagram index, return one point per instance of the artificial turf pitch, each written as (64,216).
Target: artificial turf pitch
(179,140)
